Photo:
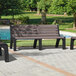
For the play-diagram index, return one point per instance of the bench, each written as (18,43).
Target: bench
(6,54)
(36,32)
(72,42)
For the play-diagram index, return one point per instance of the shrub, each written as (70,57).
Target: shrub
(1,23)
(24,19)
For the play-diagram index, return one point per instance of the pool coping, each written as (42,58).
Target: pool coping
(4,27)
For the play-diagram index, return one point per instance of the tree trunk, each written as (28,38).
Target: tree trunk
(0,16)
(13,17)
(13,14)
(43,19)
(74,26)
(38,11)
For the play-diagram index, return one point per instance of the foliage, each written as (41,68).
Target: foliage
(58,7)
(31,4)
(10,6)
(24,19)
(44,4)
(2,6)
(71,7)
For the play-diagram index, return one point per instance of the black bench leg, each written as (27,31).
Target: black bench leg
(6,53)
(57,43)
(63,43)
(11,42)
(14,44)
(35,43)
(0,52)
(71,44)
(40,44)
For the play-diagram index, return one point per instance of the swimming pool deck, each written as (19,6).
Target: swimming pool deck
(32,62)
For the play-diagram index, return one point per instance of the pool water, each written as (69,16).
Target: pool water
(5,34)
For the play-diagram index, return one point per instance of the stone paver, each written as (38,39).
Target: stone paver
(21,65)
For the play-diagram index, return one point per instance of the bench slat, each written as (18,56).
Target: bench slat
(34,31)
(39,37)
(33,35)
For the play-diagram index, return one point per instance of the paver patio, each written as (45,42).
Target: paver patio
(32,62)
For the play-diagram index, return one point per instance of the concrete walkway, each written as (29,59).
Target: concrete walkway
(68,33)
(32,62)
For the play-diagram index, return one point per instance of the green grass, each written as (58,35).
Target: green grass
(64,21)
(44,42)
(30,14)
(73,31)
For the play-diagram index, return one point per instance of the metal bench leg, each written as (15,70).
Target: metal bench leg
(11,42)
(72,44)
(0,52)
(63,43)
(14,44)
(40,44)
(57,43)
(6,52)
(35,43)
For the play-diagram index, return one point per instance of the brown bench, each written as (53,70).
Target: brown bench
(36,32)
(6,54)
(72,43)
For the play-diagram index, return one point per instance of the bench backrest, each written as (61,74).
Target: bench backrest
(34,30)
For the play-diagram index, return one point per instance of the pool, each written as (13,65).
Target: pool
(5,34)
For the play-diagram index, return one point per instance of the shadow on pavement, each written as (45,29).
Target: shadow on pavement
(11,58)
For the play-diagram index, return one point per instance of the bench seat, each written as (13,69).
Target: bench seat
(19,38)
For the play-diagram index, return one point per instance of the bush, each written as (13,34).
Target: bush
(24,19)
(1,23)
(4,21)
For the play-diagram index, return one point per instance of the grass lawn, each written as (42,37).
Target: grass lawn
(63,21)
(44,42)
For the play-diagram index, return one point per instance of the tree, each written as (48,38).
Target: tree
(2,6)
(15,5)
(58,7)
(43,5)
(10,5)
(71,9)
(31,4)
